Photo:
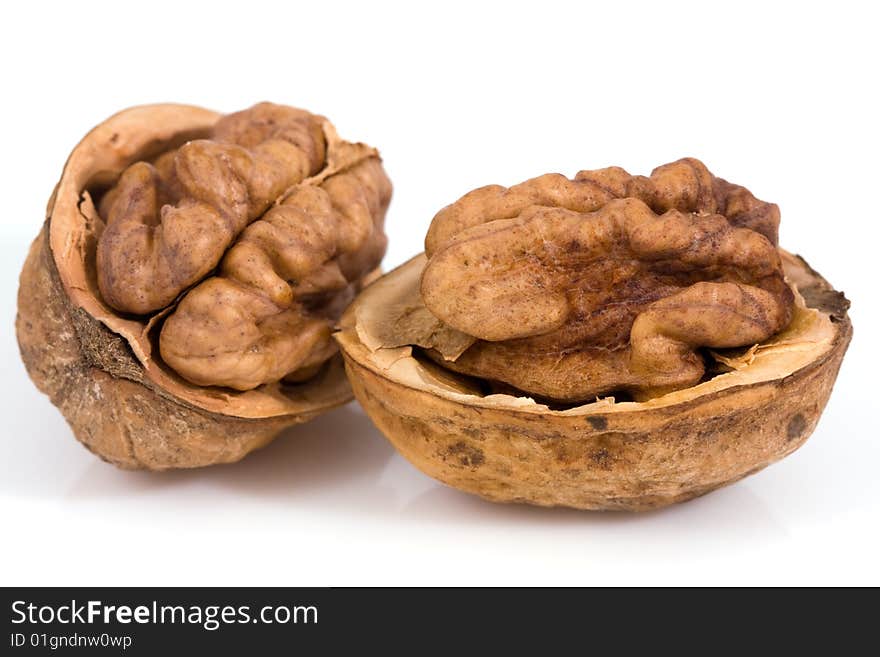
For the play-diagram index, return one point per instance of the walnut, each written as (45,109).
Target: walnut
(567,304)
(570,304)
(292,252)
(179,304)
(503,360)
(282,285)
(169,222)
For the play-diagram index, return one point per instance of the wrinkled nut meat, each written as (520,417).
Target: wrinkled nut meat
(221,251)
(575,288)
(290,254)
(503,360)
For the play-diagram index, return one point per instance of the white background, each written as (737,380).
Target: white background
(456,96)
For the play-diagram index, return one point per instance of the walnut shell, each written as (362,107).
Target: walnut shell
(601,455)
(100,367)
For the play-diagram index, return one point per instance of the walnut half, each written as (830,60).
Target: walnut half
(179,303)
(605,342)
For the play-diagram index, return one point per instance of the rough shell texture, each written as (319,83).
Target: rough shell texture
(603,455)
(98,366)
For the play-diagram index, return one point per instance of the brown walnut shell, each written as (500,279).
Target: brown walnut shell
(100,367)
(603,455)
